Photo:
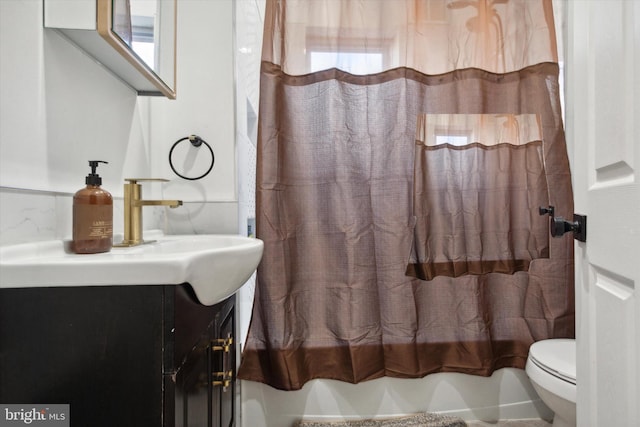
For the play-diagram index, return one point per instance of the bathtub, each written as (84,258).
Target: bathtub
(507,394)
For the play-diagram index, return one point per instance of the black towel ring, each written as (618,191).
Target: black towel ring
(196,141)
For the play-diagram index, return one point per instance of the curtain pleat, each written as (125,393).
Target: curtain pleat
(336,210)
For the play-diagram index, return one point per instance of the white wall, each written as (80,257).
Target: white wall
(59,109)
(205,106)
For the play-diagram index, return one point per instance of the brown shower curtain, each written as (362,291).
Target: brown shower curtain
(404,149)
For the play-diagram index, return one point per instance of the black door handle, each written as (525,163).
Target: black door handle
(559,226)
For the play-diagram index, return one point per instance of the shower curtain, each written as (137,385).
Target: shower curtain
(404,149)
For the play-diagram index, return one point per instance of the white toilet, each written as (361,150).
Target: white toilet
(551,366)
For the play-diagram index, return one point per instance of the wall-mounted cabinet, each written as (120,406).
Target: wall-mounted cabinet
(134,39)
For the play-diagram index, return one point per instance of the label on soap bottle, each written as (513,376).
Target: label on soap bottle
(92,228)
(95,222)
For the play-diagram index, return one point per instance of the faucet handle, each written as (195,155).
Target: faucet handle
(136,180)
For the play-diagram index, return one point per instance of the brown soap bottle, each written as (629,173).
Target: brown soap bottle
(92,216)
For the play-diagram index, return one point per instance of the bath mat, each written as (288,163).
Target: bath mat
(418,420)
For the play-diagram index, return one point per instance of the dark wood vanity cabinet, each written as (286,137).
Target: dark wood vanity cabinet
(205,386)
(119,355)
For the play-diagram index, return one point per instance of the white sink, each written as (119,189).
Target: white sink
(215,265)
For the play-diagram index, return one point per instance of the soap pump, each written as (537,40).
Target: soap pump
(92,215)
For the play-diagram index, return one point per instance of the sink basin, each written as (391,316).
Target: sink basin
(215,265)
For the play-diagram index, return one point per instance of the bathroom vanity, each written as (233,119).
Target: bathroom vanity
(138,336)
(133,355)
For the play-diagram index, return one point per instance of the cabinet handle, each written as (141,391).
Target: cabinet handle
(224,374)
(224,379)
(224,344)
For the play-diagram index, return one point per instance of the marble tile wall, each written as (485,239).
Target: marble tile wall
(31,215)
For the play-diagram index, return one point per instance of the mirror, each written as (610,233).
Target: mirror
(144,33)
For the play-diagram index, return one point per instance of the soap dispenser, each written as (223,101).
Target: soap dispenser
(92,215)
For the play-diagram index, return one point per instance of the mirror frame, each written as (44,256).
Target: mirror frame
(105,30)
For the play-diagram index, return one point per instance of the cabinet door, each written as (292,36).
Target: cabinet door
(224,362)
(98,349)
(193,408)
(205,393)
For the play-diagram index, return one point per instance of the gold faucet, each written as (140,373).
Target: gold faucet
(133,204)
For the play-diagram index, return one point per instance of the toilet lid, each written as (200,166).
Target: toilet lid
(556,356)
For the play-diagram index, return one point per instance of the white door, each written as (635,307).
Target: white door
(603,126)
